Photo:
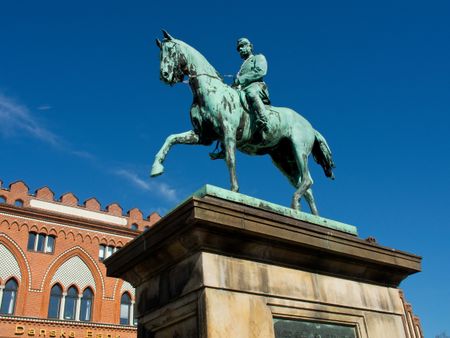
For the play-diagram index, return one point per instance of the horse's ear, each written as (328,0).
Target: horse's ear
(167,35)
(158,43)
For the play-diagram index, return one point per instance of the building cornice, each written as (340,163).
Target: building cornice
(65,219)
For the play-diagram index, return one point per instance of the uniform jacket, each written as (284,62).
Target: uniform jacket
(252,70)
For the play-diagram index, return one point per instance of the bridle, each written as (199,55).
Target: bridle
(193,76)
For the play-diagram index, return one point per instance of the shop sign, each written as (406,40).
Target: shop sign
(22,330)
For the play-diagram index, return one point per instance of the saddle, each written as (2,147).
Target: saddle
(246,105)
(257,136)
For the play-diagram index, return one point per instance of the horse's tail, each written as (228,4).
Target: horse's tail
(322,154)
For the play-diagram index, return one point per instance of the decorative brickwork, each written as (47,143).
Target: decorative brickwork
(74,271)
(10,267)
(127,287)
(73,259)
(19,191)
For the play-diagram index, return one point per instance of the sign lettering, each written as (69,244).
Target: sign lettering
(22,330)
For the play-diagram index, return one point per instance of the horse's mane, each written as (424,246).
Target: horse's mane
(194,54)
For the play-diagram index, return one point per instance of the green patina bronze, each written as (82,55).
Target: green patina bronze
(211,190)
(279,209)
(240,117)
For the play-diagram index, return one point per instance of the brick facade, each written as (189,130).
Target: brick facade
(78,232)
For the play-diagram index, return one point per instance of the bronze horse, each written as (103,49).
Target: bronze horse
(218,113)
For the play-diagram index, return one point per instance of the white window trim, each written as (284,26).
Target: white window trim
(78,310)
(62,305)
(36,240)
(1,293)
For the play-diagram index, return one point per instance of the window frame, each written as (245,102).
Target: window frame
(60,295)
(85,302)
(12,298)
(31,242)
(71,298)
(105,251)
(34,245)
(102,252)
(129,305)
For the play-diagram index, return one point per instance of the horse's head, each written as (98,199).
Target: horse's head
(173,62)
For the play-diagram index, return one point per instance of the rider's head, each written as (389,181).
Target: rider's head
(244,47)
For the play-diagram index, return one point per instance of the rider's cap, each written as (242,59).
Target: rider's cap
(243,41)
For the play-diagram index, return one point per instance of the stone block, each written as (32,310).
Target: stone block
(223,267)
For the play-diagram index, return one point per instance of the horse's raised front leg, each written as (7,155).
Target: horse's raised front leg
(230,157)
(188,137)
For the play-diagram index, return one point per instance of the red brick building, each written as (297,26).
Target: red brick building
(53,281)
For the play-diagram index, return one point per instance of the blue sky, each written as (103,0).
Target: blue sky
(82,109)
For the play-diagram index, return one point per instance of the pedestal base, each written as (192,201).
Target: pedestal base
(220,268)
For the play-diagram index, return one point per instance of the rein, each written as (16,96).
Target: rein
(205,74)
(208,75)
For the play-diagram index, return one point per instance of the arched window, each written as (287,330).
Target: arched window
(125,309)
(134,226)
(70,308)
(9,297)
(2,199)
(18,203)
(54,306)
(86,305)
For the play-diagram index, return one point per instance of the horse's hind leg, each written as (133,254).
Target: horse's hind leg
(305,181)
(310,199)
(188,137)
(230,157)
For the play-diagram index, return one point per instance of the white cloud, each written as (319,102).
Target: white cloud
(133,178)
(16,118)
(44,107)
(162,189)
(84,154)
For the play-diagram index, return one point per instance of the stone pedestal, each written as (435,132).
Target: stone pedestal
(225,265)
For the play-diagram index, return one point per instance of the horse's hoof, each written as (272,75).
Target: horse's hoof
(314,211)
(157,169)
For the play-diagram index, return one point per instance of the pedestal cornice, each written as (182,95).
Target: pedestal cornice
(229,228)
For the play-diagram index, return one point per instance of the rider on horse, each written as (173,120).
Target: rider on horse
(217,113)
(250,80)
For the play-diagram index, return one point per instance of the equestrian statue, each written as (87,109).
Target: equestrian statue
(241,117)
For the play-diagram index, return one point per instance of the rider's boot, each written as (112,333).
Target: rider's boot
(260,112)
